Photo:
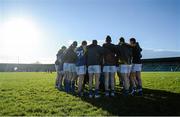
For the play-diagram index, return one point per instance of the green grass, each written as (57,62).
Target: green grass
(168,81)
(34,94)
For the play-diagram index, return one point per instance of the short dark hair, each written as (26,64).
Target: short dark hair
(108,39)
(74,43)
(63,47)
(94,42)
(121,39)
(133,40)
(84,42)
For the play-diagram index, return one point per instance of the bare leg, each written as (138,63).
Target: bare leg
(112,81)
(57,80)
(60,80)
(126,81)
(66,80)
(97,76)
(120,79)
(69,77)
(106,75)
(74,76)
(90,84)
(133,83)
(139,86)
(133,79)
(90,81)
(73,79)
(80,83)
(65,77)
(138,76)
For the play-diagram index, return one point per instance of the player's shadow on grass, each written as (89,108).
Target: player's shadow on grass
(153,102)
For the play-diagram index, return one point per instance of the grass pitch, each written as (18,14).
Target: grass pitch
(34,94)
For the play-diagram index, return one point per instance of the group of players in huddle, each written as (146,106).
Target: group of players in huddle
(74,63)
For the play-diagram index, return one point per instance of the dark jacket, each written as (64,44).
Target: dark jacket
(136,54)
(60,55)
(81,56)
(94,55)
(70,56)
(60,59)
(124,52)
(109,54)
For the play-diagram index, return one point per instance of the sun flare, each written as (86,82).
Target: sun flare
(19,36)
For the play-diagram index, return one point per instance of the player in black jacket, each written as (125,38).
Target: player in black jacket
(125,60)
(109,67)
(94,56)
(59,67)
(136,67)
(69,68)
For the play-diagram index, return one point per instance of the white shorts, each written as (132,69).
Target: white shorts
(69,67)
(65,67)
(94,69)
(109,69)
(130,68)
(61,72)
(81,70)
(56,67)
(125,68)
(136,67)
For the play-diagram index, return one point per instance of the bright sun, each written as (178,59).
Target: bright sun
(19,36)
